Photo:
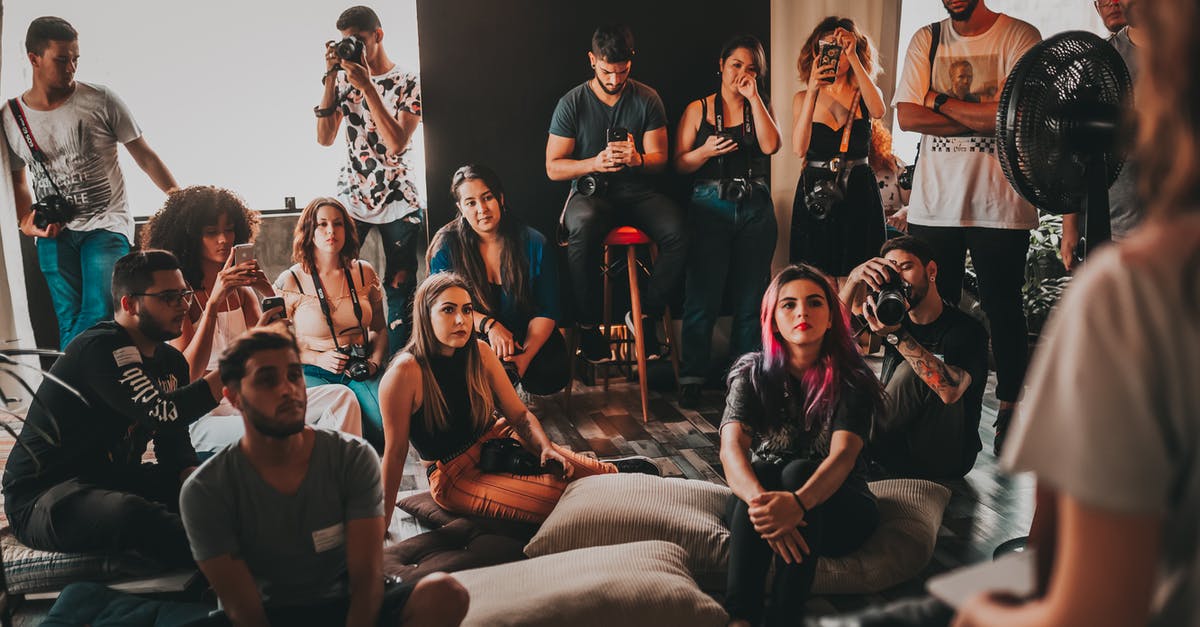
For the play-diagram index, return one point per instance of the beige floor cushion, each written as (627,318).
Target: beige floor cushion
(626,585)
(613,509)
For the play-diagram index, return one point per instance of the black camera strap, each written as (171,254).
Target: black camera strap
(27,133)
(935,32)
(747,131)
(325,304)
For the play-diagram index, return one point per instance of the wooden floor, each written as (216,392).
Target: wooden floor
(986,508)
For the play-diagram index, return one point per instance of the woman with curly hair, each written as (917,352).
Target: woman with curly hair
(201,225)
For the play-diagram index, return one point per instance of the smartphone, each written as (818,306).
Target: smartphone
(617,134)
(272,302)
(243,253)
(828,54)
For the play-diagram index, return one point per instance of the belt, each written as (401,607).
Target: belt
(835,164)
(756,180)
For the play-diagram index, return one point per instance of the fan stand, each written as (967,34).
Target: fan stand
(1097,225)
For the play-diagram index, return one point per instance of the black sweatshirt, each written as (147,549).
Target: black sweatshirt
(131,399)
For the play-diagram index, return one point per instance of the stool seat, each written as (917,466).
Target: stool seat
(626,236)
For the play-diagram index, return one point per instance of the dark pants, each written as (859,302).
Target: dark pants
(920,436)
(836,527)
(137,511)
(326,611)
(549,370)
(588,219)
(730,249)
(402,241)
(999,259)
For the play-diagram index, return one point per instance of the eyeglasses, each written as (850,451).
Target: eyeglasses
(171,298)
(1104,4)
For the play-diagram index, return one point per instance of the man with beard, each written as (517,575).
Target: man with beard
(613,129)
(287,523)
(934,367)
(960,199)
(75,481)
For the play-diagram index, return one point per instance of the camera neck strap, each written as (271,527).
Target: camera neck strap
(849,125)
(18,112)
(747,130)
(325,304)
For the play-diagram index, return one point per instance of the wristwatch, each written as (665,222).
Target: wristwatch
(893,338)
(324,113)
(938,101)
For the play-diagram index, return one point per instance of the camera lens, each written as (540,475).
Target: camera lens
(588,185)
(890,307)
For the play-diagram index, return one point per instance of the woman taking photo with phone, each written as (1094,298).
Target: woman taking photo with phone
(725,140)
(511,276)
(796,417)
(335,301)
(202,225)
(837,215)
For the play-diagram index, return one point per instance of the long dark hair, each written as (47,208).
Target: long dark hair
(303,250)
(462,243)
(755,47)
(179,225)
(839,365)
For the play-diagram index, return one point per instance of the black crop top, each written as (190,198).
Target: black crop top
(738,162)
(450,373)
(826,142)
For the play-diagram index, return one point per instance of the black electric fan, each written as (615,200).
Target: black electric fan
(1060,128)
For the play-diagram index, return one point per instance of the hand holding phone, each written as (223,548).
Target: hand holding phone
(829,55)
(243,253)
(269,303)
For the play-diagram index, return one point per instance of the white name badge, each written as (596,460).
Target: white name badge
(329,538)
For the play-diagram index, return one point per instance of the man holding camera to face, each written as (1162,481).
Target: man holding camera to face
(381,104)
(66,132)
(607,135)
(934,365)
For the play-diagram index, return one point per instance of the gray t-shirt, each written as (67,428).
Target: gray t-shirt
(293,544)
(1112,414)
(581,116)
(1124,210)
(80,140)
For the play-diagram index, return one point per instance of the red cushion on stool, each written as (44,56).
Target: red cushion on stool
(626,236)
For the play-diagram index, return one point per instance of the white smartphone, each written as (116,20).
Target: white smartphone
(243,253)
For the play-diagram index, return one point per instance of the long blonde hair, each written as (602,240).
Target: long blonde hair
(424,344)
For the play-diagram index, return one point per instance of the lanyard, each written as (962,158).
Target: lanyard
(747,129)
(27,133)
(325,304)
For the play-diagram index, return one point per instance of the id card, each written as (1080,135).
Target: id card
(329,538)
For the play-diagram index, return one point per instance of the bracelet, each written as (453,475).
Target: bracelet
(332,70)
(483,324)
(800,504)
(326,112)
(491,325)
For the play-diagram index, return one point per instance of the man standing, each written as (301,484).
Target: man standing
(66,133)
(381,104)
(607,136)
(1111,13)
(934,367)
(960,199)
(1124,208)
(287,523)
(75,481)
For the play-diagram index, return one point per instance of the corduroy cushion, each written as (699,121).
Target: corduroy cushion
(612,509)
(29,571)
(630,585)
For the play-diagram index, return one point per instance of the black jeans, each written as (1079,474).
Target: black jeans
(402,240)
(999,259)
(920,436)
(836,527)
(325,611)
(548,371)
(137,511)
(588,219)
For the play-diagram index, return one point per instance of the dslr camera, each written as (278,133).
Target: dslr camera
(53,209)
(736,190)
(905,180)
(350,49)
(507,456)
(596,183)
(822,196)
(893,300)
(357,366)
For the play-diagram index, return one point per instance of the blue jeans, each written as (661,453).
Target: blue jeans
(731,249)
(78,266)
(367,393)
(401,241)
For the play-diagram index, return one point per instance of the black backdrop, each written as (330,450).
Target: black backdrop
(493,70)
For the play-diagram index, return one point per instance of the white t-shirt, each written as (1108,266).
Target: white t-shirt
(1112,415)
(958,181)
(80,140)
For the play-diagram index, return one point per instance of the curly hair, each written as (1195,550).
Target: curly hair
(179,225)
(879,153)
(863,45)
(303,250)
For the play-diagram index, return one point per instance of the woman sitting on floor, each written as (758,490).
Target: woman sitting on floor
(511,275)
(442,393)
(805,404)
(336,303)
(201,225)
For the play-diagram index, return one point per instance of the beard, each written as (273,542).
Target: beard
(963,15)
(154,330)
(273,426)
(613,91)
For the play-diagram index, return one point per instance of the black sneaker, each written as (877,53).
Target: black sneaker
(636,463)
(1003,418)
(594,345)
(689,395)
(654,348)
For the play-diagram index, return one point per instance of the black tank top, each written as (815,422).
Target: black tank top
(450,373)
(738,162)
(827,142)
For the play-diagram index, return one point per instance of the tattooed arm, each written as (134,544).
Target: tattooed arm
(948,382)
(529,430)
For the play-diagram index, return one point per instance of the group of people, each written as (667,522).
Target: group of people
(273,380)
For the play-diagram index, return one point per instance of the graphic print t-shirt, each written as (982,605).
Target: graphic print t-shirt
(959,181)
(80,140)
(375,187)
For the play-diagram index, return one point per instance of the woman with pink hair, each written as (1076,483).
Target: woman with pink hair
(795,421)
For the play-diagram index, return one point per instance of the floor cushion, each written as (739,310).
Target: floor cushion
(98,606)
(628,585)
(29,571)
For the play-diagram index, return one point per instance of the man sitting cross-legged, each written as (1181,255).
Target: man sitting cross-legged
(287,524)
